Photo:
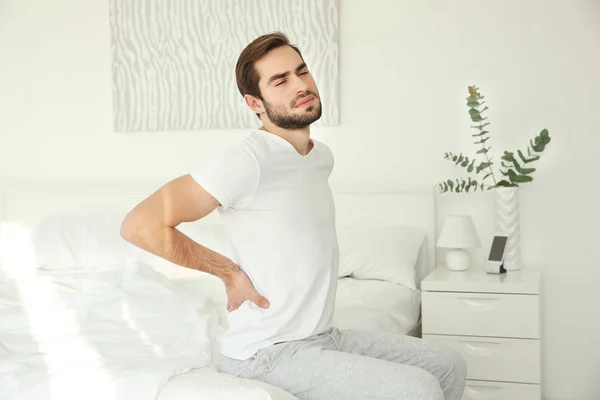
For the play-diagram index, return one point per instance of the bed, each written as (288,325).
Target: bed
(96,318)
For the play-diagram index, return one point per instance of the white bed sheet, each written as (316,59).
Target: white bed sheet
(376,305)
(208,384)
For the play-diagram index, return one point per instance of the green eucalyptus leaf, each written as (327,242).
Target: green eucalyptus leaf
(504,183)
(521,178)
(539,147)
(470,167)
(516,165)
(516,178)
(483,166)
(521,170)
(508,156)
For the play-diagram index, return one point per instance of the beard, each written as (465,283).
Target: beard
(282,117)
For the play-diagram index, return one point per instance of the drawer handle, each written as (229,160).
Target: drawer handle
(476,348)
(482,392)
(480,301)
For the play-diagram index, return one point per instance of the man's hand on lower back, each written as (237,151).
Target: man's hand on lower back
(239,289)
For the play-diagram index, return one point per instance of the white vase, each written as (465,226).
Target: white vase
(507,223)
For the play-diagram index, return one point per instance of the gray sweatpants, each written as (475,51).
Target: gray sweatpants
(356,365)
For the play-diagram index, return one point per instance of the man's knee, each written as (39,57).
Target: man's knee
(453,368)
(422,385)
(455,365)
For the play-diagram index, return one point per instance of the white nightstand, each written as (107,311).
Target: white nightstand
(494,322)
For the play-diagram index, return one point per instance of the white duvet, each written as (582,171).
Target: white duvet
(137,333)
(116,334)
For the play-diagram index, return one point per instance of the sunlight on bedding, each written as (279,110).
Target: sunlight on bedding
(98,333)
(17,255)
(144,337)
(47,323)
(57,334)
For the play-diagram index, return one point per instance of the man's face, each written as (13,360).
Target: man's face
(290,95)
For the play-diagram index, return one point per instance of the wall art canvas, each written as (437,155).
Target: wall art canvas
(173,62)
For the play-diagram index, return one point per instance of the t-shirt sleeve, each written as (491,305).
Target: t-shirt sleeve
(231,177)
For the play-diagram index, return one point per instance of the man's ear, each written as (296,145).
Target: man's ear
(256,105)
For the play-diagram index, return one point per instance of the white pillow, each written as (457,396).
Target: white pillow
(387,253)
(80,242)
(94,242)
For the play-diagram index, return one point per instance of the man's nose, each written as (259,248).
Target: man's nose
(300,86)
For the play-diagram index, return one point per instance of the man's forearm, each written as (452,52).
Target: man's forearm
(176,247)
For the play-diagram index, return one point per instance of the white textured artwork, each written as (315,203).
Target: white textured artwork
(173,62)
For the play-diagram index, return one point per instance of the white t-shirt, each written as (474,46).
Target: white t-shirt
(279,215)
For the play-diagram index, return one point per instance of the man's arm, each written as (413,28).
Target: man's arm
(152,224)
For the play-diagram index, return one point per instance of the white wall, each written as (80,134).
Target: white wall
(405,67)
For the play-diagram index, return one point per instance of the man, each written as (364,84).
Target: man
(281,274)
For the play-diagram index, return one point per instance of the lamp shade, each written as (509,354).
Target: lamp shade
(458,232)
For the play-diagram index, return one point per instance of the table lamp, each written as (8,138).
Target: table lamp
(458,234)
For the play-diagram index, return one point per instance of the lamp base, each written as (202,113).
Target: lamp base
(457,259)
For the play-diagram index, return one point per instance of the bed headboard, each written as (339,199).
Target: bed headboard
(28,202)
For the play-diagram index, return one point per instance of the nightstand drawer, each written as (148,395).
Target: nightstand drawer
(495,359)
(481,314)
(477,390)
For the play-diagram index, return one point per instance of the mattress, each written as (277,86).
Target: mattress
(376,305)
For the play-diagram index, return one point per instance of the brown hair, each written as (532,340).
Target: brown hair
(246,76)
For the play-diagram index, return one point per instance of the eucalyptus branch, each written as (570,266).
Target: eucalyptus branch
(484,151)
(513,169)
